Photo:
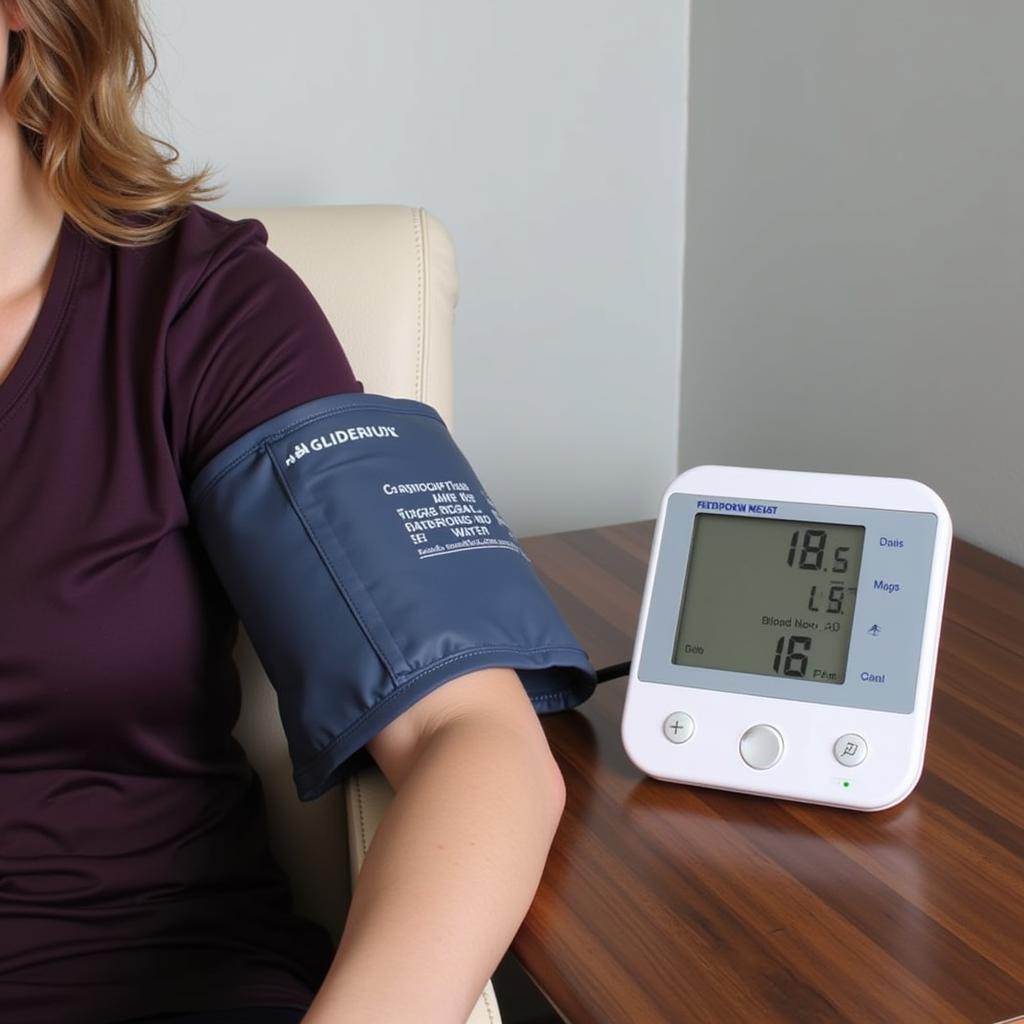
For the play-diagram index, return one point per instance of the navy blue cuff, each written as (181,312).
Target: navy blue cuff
(370,566)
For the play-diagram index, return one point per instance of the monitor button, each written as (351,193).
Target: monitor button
(761,746)
(678,727)
(850,749)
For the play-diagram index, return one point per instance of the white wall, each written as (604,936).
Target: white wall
(855,246)
(549,139)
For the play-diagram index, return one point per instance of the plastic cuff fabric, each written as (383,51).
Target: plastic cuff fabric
(369,566)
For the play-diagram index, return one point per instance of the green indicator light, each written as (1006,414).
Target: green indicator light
(846,783)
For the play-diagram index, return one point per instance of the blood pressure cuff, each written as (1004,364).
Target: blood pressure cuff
(369,566)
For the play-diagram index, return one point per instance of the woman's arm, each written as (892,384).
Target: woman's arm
(453,866)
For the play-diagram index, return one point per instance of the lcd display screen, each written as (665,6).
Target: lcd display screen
(773,597)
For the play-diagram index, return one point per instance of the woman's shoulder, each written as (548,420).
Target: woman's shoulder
(246,337)
(204,242)
(205,231)
(200,248)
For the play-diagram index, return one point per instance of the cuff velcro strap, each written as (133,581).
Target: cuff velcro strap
(369,566)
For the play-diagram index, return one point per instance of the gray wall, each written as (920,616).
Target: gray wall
(548,138)
(855,246)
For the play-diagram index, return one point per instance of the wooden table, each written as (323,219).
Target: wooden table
(669,903)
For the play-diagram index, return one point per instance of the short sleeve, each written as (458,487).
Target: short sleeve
(353,538)
(248,341)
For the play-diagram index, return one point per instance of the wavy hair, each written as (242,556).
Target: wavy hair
(74,78)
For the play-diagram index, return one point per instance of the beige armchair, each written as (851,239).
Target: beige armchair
(387,280)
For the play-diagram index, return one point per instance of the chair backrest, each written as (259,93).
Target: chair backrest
(386,278)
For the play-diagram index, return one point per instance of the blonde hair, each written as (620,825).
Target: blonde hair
(74,77)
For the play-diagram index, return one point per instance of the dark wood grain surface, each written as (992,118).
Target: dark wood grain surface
(663,902)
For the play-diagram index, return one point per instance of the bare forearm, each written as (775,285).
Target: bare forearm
(449,876)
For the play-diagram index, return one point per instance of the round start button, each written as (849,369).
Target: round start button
(761,746)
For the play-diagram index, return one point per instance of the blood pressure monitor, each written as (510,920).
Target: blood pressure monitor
(788,635)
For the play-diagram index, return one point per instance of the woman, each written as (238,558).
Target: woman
(139,335)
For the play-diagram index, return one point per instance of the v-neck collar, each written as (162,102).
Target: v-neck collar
(71,242)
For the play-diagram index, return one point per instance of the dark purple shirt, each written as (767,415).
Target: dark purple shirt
(135,871)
